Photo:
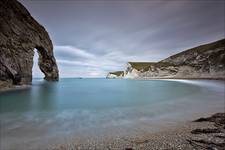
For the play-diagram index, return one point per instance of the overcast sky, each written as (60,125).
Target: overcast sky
(92,38)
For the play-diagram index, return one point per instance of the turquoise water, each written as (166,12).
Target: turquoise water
(74,107)
(91,94)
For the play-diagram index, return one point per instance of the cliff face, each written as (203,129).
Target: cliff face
(150,70)
(116,74)
(205,61)
(20,34)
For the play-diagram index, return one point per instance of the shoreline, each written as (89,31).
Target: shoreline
(197,134)
(25,86)
(14,88)
(216,79)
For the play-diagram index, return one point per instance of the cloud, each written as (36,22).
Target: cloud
(75,61)
(72,51)
(92,38)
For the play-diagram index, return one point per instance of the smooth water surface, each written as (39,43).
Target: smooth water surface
(75,107)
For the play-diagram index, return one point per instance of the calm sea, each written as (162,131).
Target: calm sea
(58,111)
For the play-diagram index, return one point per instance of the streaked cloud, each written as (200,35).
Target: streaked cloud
(72,51)
(93,37)
(92,65)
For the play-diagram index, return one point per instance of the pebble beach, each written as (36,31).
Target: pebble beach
(203,133)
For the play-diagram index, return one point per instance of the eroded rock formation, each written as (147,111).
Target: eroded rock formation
(209,138)
(20,34)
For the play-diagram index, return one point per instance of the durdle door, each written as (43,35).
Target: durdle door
(20,34)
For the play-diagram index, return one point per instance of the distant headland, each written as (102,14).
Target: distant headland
(202,62)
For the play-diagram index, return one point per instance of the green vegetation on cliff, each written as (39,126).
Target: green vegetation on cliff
(117,73)
(204,61)
(141,65)
(200,49)
(144,66)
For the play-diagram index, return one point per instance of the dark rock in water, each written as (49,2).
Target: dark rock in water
(20,34)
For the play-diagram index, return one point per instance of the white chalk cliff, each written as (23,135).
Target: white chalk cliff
(205,61)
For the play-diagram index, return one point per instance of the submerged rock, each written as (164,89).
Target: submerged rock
(20,34)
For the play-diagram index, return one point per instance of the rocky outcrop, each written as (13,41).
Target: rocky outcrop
(209,138)
(205,61)
(20,34)
(116,74)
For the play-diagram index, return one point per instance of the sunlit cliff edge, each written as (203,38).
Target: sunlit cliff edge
(205,62)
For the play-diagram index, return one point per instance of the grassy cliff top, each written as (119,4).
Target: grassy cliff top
(141,65)
(201,48)
(145,65)
(117,73)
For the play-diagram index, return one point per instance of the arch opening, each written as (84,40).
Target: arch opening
(36,71)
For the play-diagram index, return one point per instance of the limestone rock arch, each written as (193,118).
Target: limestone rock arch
(20,34)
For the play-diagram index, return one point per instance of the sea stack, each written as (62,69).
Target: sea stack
(20,34)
